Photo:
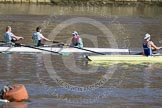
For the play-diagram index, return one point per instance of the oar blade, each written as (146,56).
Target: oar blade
(88,58)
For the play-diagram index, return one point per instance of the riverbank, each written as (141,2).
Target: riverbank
(90,2)
(107,2)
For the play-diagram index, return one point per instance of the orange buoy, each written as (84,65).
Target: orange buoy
(17,93)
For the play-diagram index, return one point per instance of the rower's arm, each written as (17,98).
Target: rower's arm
(17,37)
(154,46)
(46,39)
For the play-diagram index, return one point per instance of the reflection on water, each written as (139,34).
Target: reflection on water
(137,85)
(14,105)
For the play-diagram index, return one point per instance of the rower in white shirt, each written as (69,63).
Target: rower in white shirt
(10,37)
(38,37)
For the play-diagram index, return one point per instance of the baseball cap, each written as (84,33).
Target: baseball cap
(75,33)
(147,36)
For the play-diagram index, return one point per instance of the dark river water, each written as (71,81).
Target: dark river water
(68,82)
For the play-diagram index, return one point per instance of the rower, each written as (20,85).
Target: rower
(149,46)
(76,40)
(10,37)
(38,37)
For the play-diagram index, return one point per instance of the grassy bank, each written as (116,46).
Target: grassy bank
(106,2)
(90,2)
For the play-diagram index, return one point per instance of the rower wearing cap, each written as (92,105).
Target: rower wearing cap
(38,37)
(10,37)
(149,46)
(76,40)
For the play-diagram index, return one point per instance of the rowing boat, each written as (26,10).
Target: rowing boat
(125,58)
(57,49)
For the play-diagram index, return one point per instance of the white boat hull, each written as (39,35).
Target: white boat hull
(72,50)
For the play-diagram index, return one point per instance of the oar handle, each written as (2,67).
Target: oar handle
(53,41)
(3,41)
(62,44)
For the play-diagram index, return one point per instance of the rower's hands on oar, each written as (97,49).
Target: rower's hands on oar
(159,48)
(20,38)
(161,44)
(53,41)
(65,44)
(61,44)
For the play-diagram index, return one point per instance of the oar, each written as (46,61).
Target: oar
(90,50)
(29,46)
(53,41)
(61,43)
(86,50)
(3,41)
